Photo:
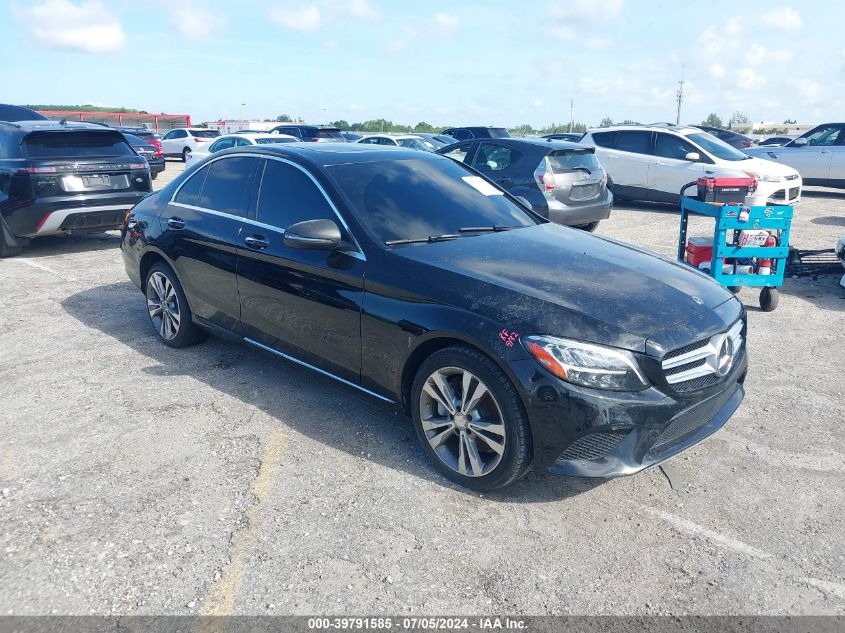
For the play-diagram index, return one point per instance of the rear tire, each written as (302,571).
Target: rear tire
(592,226)
(479,425)
(6,249)
(168,309)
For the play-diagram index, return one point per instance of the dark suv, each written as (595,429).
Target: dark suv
(19,113)
(58,177)
(562,181)
(466,133)
(311,133)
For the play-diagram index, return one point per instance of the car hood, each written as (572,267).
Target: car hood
(762,162)
(550,279)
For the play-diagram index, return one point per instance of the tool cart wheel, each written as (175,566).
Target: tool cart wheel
(769,299)
(735,289)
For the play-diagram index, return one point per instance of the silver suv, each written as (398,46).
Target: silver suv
(818,155)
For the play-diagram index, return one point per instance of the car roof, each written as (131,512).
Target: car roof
(539,143)
(46,124)
(681,129)
(328,154)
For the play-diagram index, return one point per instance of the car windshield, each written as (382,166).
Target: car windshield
(324,133)
(717,147)
(75,144)
(418,198)
(574,159)
(205,133)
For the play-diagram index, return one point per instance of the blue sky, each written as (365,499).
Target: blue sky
(493,62)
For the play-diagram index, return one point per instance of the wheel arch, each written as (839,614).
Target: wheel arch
(148,260)
(434,342)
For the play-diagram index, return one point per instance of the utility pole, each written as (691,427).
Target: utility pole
(571,113)
(680,96)
(325,116)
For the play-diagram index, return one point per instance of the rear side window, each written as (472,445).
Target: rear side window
(494,157)
(76,144)
(223,143)
(205,133)
(499,132)
(289,196)
(189,193)
(605,139)
(225,185)
(636,142)
(461,135)
(329,134)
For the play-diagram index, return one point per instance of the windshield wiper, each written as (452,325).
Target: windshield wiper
(423,240)
(582,169)
(482,229)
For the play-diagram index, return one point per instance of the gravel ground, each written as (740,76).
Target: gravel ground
(140,479)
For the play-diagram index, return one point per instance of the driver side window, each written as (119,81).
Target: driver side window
(288,195)
(671,146)
(825,136)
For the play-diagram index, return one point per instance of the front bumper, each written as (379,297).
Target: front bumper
(782,192)
(591,433)
(578,215)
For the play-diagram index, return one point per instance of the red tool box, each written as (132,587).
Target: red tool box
(699,249)
(725,190)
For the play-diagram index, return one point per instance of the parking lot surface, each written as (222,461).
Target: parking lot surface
(136,478)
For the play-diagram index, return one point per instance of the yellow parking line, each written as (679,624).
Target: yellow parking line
(221,599)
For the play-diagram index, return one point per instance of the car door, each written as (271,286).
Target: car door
(200,230)
(497,162)
(168,140)
(301,302)
(836,176)
(669,170)
(813,160)
(626,157)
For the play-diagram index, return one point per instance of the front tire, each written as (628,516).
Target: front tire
(470,420)
(6,250)
(168,308)
(592,226)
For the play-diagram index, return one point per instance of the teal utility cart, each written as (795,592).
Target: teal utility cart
(776,219)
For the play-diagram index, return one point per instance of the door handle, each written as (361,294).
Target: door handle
(176,223)
(258,242)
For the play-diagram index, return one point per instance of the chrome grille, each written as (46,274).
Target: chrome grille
(703,358)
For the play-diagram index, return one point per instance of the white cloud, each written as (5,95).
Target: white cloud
(302,18)
(194,21)
(360,9)
(585,11)
(447,24)
(717,71)
(598,43)
(537,103)
(781,57)
(89,26)
(733,25)
(755,55)
(785,18)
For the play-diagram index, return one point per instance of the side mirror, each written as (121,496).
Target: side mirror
(321,235)
(799,142)
(693,156)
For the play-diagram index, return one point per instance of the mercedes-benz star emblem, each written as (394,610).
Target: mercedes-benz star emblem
(726,356)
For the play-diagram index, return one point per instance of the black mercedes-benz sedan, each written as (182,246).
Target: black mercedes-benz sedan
(510,341)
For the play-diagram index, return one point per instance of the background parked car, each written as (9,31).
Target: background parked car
(739,141)
(776,141)
(818,155)
(562,181)
(438,140)
(152,154)
(182,141)
(19,113)
(58,177)
(467,133)
(143,133)
(399,140)
(653,163)
(311,133)
(572,137)
(351,137)
(240,139)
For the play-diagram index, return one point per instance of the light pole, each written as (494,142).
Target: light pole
(325,117)
(242,112)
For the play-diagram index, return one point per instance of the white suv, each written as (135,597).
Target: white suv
(653,163)
(184,140)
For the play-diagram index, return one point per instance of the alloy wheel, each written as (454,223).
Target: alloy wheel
(163,306)
(462,421)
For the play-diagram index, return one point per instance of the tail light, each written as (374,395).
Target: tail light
(545,176)
(37,170)
(747,144)
(137,166)
(315,140)
(158,153)
(155,143)
(200,139)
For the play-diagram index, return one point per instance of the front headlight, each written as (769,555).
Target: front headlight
(586,364)
(764,177)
